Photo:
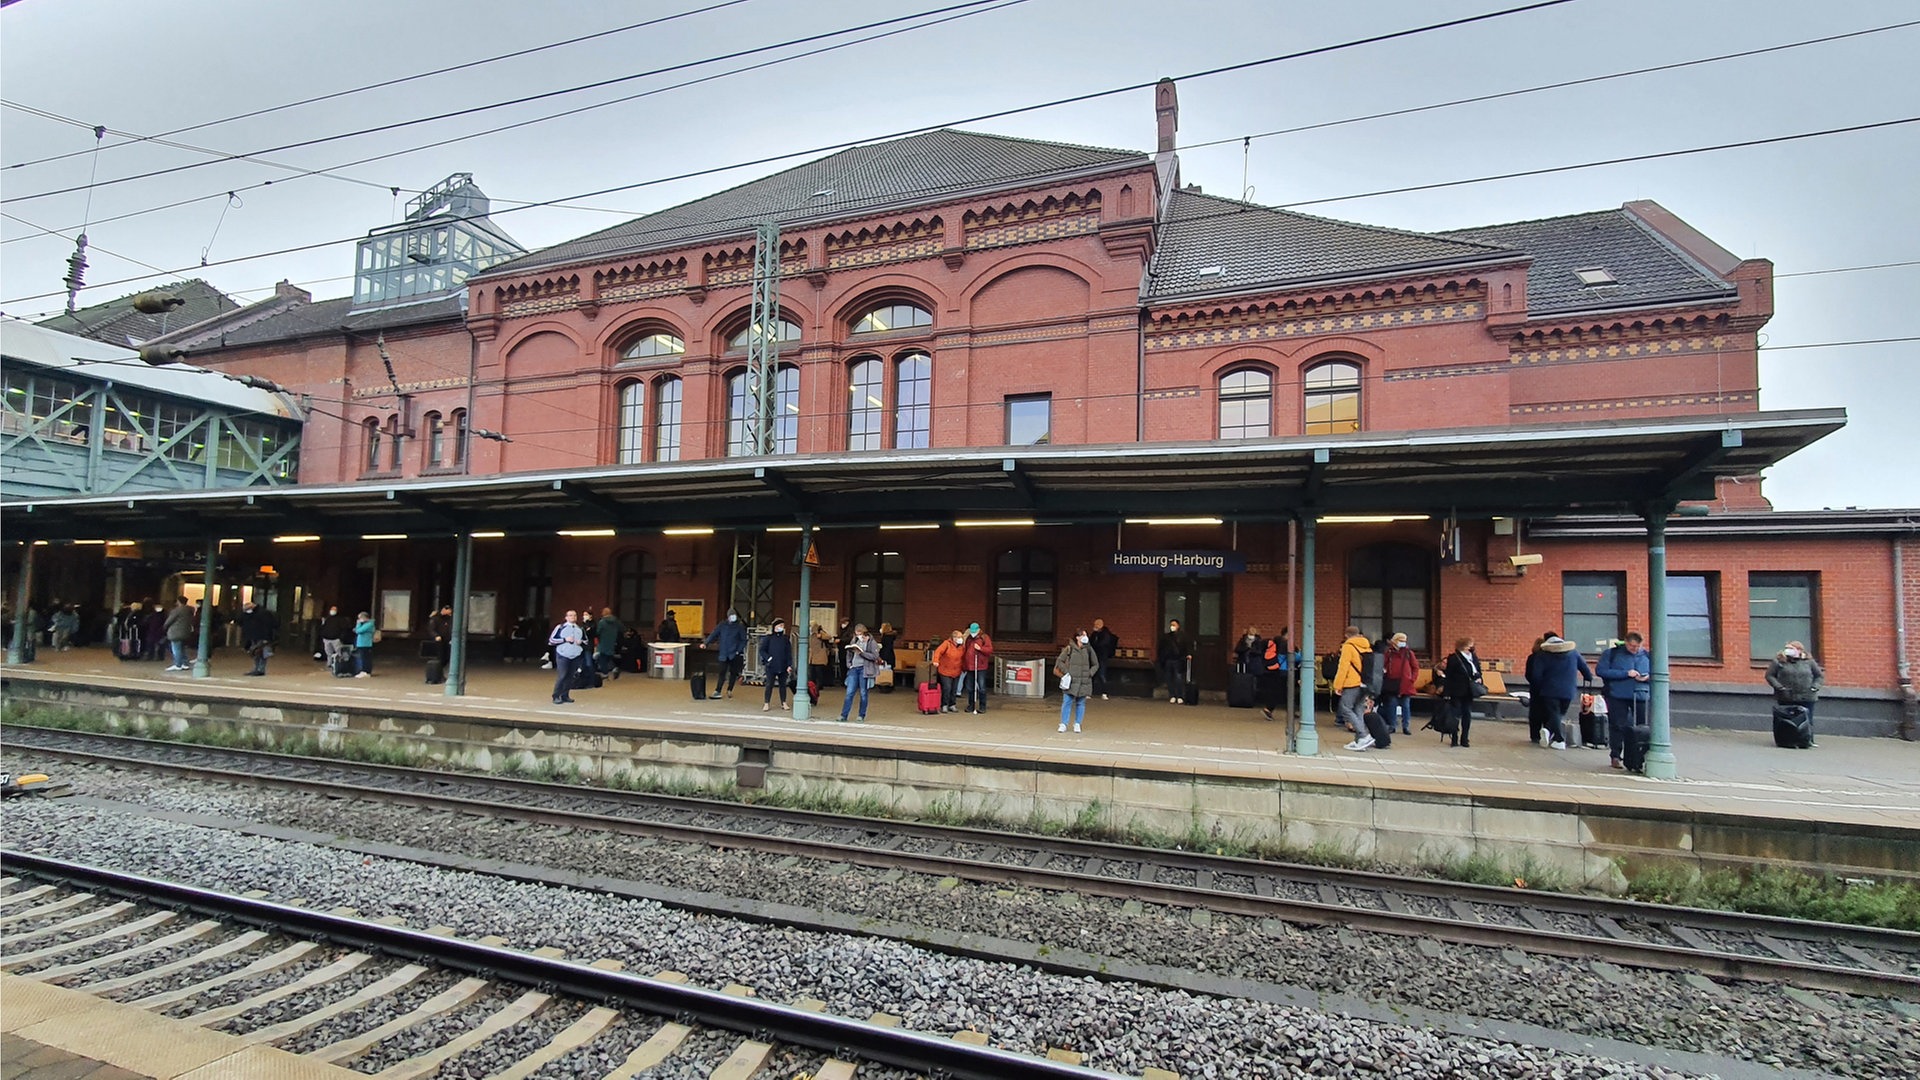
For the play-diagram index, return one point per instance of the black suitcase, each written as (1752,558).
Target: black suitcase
(1639,739)
(1240,686)
(436,672)
(1192,692)
(1792,727)
(342,664)
(698,681)
(587,677)
(1378,727)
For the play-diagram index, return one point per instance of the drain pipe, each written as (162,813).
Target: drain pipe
(1909,703)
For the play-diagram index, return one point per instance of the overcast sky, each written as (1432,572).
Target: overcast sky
(1820,204)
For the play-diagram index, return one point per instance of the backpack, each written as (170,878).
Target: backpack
(1330,666)
(1271,657)
(1373,672)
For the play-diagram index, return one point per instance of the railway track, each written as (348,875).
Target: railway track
(1810,955)
(319,983)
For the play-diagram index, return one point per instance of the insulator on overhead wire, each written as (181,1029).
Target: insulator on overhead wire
(156,303)
(162,354)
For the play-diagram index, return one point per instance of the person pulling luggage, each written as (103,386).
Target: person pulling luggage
(1797,679)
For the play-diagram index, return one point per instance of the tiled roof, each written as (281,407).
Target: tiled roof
(116,323)
(298,319)
(1649,269)
(899,172)
(1256,246)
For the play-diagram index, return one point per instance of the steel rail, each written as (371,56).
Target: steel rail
(759,1019)
(1809,974)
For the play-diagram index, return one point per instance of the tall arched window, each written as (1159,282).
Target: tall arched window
(1023,592)
(1387,589)
(1332,405)
(880,589)
(786,412)
(666,419)
(786,330)
(913,402)
(1246,404)
(880,320)
(866,402)
(633,577)
(436,439)
(657,344)
(393,443)
(373,444)
(460,438)
(633,422)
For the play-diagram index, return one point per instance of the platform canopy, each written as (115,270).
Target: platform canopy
(1600,468)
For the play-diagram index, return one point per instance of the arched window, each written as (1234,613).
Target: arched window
(786,412)
(657,344)
(787,330)
(666,419)
(913,402)
(1332,398)
(373,444)
(393,443)
(1023,592)
(633,576)
(880,589)
(887,317)
(866,402)
(436,439)
(1246,404)
(460,438)
(1387,589)
(633,422)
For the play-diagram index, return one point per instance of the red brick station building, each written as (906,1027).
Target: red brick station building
(1012,375)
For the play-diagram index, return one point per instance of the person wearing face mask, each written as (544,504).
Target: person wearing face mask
(948,658)
(977,666)
(730,638)
(1796,678)
(776,664)
(1075,667)
(1176,652)
(333,635)
(863,657)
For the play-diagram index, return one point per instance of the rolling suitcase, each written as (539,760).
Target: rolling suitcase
(1192,692)
(1240,687)
(698,681)
(1378,727)
(1593,721)
(929,700)
(342,664)
(587,677)
(436,672)
(1792,727)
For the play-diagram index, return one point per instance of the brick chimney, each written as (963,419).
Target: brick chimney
(288,288)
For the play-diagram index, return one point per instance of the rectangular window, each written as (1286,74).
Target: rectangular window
(1782,607)
(1592,609)
(1693,616)
(1030,420)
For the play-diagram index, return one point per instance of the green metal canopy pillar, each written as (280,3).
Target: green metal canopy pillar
(456,684)
(803,633)
(16,652)
(1308,741)
(1661,764)
(203,654)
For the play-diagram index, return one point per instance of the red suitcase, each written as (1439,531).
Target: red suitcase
(929,698)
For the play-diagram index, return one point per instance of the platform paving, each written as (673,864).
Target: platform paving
(1872,781)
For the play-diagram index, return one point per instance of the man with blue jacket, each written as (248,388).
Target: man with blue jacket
(731,637)
(1628,674)
(1550,678)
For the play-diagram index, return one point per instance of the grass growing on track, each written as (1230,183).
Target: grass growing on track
(1766,890)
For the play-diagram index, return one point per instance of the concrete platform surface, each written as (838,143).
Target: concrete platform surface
(1846,780)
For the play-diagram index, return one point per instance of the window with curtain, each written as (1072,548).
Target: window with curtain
(913,402)
(1782,607)
(1023,592)
(1246,404)
(666,419)
(1593,609)
(887,317)
(1332,398)
(866,403)
(633,422)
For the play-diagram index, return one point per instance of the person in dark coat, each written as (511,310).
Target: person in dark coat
(1551,671)
(669,629)
(1627,671)
(1796,678)
(1104,643)
(776,664)
(1271,663)
(1462,676)
(153,631)
(1176,652)
(730,639)
(258,631)
(334,631)
(439,643)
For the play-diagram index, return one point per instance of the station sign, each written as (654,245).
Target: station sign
(1189,561)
